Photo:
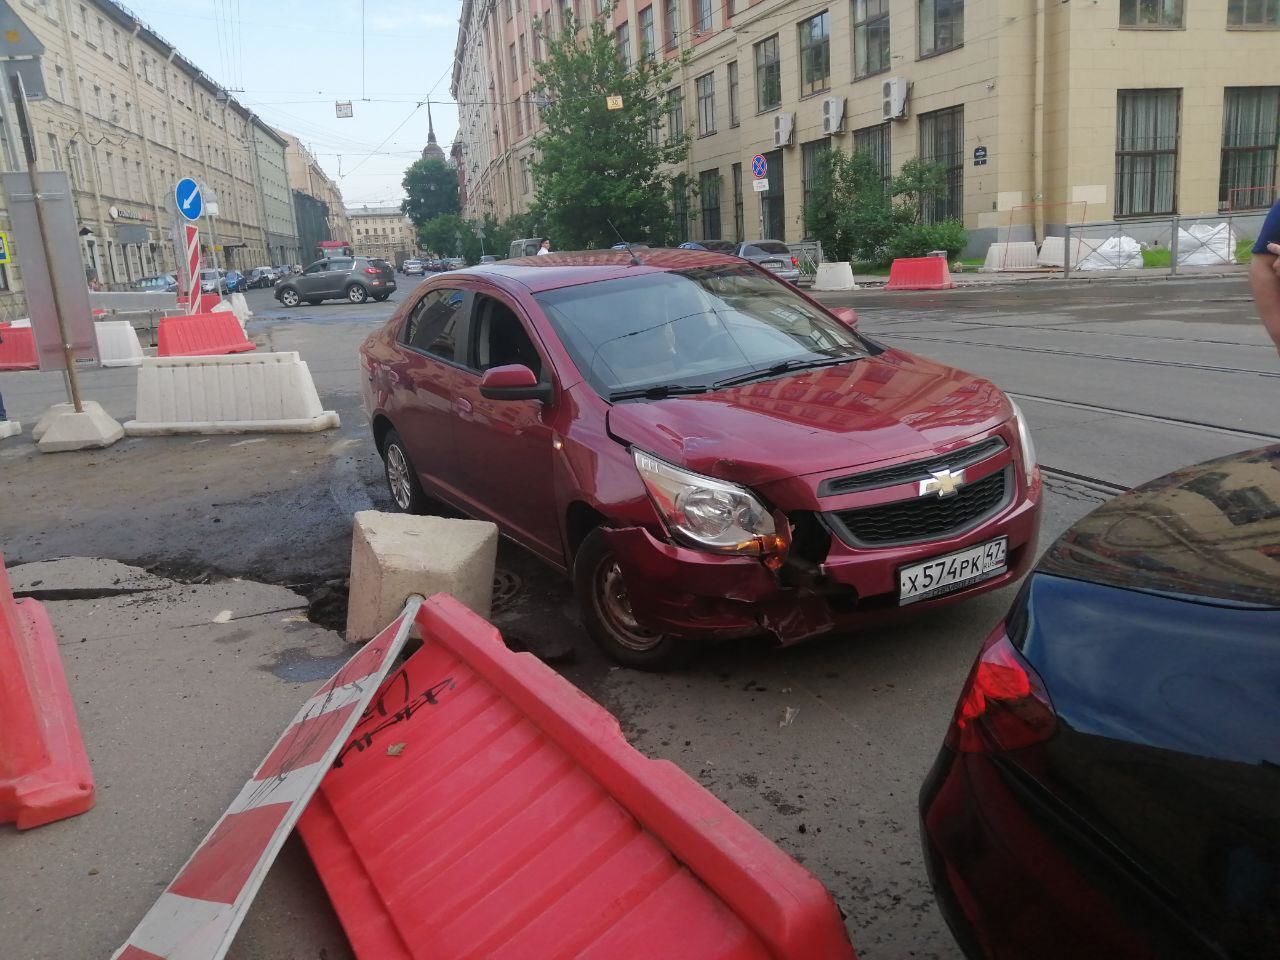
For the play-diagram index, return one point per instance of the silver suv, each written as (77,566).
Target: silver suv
(355,279)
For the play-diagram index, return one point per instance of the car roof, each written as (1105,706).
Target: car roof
(1210,532)
(554,270)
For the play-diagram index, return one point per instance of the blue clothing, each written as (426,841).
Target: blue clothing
(3,415)
(1270,232)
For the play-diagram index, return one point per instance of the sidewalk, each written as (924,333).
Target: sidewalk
(974,278)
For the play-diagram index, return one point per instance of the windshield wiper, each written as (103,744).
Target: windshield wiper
(659,392)
(786,366)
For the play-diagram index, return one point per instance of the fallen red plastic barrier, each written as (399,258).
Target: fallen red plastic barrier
(18,349)
(486,808)
(44,771)
(201,335)
(919,273)
(198,914)
(207,301)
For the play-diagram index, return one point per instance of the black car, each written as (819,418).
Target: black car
(1110,783)
(355,279)
(261,277)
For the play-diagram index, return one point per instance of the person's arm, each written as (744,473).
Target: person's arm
(1264,279)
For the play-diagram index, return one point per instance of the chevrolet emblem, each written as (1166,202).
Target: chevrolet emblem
(943,482)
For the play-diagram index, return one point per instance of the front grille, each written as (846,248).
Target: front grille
(923,518)
(911,472)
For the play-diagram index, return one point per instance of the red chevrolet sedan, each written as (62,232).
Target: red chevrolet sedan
(708,452)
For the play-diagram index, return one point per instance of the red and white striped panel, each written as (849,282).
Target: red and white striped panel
(193,267)
(198,914)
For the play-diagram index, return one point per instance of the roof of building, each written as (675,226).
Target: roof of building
(375,211)
(432,149)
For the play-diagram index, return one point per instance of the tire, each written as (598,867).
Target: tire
(357,293)
(289,297)
(606,612)
(379,297)
(402,479)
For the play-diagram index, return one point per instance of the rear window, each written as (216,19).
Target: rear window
(771,246)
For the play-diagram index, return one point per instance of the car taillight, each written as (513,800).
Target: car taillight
(795,262)
(1004,704)
(372,270)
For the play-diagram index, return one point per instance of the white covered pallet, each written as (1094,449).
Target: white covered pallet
(118,344)
(1019,255)
(834,276)
(1053,252)
(241,393)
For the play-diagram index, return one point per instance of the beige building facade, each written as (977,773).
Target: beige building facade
(381,232)
(307,176)
(1042,112)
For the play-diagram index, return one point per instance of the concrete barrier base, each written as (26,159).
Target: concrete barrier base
(396,554)
(57,410)
(9,428)
(68,430)
(834,276)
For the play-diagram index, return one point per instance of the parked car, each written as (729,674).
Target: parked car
(213,281)
(235,281)
(356,279)
(634,246)
(163,283)
(718,246)
(527,247)
(488,258)
(455,263)
(261,277)
(414,268)
(1110,782)
(774,255)
(710,453)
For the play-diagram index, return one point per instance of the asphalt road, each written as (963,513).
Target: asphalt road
(1121,382)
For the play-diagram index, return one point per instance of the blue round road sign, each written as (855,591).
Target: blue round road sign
(190,202)
(759,167)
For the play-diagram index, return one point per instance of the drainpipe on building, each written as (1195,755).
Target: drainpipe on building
(1037,125)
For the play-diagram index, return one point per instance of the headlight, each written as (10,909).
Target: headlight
(1024,441)
(708,513)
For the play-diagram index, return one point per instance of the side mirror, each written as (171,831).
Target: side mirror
(513,382)
(846,315)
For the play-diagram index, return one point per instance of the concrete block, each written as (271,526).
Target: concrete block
(1053,252)
(1018,255)
(118,344)
(69,430)
(394,555)
(57,410)
(239,393)
(834,276)
(9,428)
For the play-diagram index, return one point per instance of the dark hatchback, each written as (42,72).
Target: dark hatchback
(1110,783)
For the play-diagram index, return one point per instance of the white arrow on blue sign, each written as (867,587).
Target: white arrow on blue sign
(190,202)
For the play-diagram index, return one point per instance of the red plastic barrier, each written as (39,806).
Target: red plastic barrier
(44,772)
(18,349)
(207,301)
(201,335)
(919,273)
(485,807)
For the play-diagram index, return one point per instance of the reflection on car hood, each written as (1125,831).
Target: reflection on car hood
(1211,531)
(889,405)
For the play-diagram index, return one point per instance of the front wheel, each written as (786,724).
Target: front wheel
(289,297)
(607,613)
(357,293)
(402,479)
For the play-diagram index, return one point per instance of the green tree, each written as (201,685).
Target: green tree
(448,235)
(597,164)
(431,188)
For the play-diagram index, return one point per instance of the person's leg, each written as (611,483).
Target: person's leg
(3,415)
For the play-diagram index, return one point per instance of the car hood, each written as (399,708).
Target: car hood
(882,407)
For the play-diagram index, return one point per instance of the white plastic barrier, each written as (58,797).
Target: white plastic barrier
(240,307)
(118,344)
(1019,255)
(834,276)
(1114,253)
(241,393)
(225,307)
(1053,252)
(1206,245)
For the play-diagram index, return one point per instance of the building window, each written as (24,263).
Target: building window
(811,155)
(815,54)
(706,90)
(568,13)
(1253,14)
(875,143)
(1146,152)
(702,16)
(941,26)
(709,195)
(733,94)
(737,203)
(768,74)
(55,154)
(525,180)
(645,19)
(1151,14)
(624,45)
(515,70)
(680,206)
(670,24)
(675,114)
(942,142)
(655,131)
(60,81)
(524,57)
(870,37)
(1250,132)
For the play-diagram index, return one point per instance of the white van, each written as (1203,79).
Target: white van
(525,248)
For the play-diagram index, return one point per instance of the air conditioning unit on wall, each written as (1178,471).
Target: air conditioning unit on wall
(832,115)
(895,91)
(784,127)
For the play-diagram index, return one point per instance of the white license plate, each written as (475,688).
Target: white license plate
(773,264)
(932,578)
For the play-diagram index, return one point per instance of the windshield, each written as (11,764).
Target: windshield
(690,328)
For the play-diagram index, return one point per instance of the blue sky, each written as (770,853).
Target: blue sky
(294,65)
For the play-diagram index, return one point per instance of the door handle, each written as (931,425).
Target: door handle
(462,404)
